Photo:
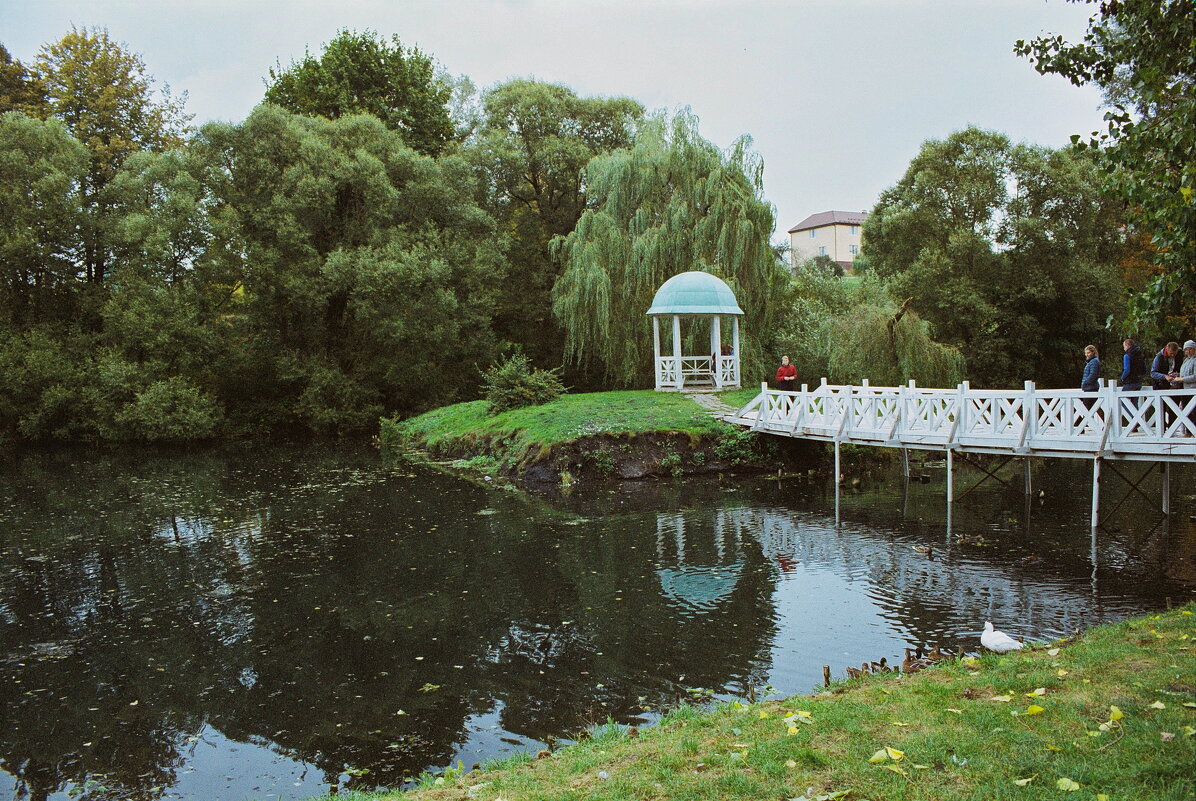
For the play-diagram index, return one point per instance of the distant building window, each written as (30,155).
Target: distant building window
(855,250)
(813,233)
(822,251)
(855,229)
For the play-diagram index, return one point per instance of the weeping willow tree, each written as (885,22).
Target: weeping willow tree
(888,347)
(674,202)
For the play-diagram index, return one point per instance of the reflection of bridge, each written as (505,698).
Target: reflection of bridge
(909,587)
(1103,425)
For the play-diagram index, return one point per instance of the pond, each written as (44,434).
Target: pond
(274,622)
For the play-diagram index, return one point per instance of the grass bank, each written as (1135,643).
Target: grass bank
(1110,715)
(629,434)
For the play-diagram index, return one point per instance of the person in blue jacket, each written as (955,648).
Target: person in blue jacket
(1090,381)
(1133,366)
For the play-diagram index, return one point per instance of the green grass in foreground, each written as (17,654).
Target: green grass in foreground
(1109,716)
(464,425)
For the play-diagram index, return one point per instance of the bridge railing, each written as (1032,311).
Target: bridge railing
(1068,422)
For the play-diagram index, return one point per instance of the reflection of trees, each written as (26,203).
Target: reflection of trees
(300,602)
(298,599)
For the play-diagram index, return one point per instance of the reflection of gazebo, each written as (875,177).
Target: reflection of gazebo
(699,297)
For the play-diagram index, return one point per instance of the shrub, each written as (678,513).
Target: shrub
(514,383)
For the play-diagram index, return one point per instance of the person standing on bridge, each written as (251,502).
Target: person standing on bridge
(1090,381)
(1133,366)
(1187,380)
(786,375)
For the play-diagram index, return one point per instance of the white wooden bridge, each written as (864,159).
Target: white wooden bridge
(1104,425)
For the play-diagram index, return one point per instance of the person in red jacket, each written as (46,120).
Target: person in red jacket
(786,375)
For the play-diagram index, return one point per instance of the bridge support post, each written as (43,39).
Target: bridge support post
(905,463)
(950,477)
(1166,489)
(838,482)
(1029,482)
(1095,494)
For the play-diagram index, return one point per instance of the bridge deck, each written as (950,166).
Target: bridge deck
(1107,424)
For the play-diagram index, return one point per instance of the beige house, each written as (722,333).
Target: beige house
(829,233)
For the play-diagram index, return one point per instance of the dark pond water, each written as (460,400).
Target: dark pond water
(271,622)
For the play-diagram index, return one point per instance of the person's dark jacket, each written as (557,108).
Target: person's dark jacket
(1090,382)
(1162,366)
(1133,367)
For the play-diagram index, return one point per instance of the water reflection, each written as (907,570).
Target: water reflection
(277,622)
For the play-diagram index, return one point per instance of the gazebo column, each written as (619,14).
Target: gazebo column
(656,350)
(735,349)
(677,350)
(716,349)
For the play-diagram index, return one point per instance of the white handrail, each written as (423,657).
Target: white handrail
(1063,422)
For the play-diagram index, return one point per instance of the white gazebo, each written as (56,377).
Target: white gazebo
(701,298)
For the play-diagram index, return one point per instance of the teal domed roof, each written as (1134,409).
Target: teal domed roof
(694,292)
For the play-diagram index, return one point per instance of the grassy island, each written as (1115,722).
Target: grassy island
(630,434)
(1110,715)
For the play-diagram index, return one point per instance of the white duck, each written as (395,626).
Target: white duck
(997,641)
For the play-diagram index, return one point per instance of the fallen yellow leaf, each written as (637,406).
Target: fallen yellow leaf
(1053,747)
(801,713)
(1115,713)
(1060,672)
(1053,652)
(1036,693)
(789,763)
(1189,731)
(1024,782)
(1190,704)
(879,756)
(1002,698)
(1034,709)
(793,730)
(898,723)
(894,754)
(1158,705)
(956,711)
(762,714)
(895,769)
(1067,784)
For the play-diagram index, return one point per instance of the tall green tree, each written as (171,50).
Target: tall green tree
(20,90)
(369,271)
(533,145)
(41,167)
(1142,54)
(364,73)
(674,202)
(103,95)
(1009,251)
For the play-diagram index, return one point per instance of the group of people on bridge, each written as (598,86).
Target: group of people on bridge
(1169,370)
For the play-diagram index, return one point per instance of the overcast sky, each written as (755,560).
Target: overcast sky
(837,95)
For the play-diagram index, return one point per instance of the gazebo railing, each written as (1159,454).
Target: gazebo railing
(673,372)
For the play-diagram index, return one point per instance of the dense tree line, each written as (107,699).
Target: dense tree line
(377,233)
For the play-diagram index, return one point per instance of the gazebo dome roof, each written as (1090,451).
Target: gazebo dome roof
(694,292)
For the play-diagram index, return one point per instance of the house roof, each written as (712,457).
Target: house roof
(694,292)
(830,218)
